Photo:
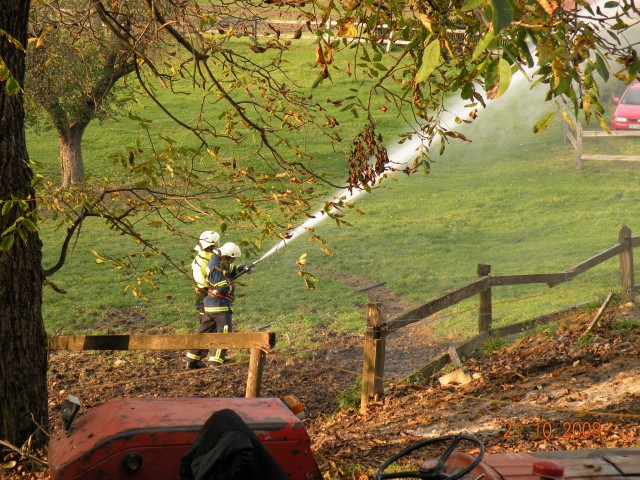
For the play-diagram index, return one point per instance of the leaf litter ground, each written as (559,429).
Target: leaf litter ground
(553,390)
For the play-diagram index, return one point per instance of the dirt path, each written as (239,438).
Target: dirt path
(408,348)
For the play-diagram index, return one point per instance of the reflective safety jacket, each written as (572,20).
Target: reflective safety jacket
(199,269)
(220,282)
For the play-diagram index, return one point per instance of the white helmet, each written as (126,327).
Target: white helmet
(230,250)
(207,239)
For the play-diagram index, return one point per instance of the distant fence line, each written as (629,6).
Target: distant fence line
(257,342)
(255,25)
(377,330)
(574,134)
(579,146)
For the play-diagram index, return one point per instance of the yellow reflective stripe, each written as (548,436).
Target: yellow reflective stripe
(216,309)
(218,356)
(193,356)
(221,284)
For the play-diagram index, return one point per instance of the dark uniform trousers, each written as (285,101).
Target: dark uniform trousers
(219,322)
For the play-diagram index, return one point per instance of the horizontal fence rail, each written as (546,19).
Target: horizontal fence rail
(434,305)
(574,133)
(377,330)
(257,342)
(225,341)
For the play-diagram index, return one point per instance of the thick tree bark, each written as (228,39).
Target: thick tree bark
(71,162)
(23,351)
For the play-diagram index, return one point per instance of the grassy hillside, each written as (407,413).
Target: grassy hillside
(509,198)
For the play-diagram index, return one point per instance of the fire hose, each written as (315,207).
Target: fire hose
(248,268)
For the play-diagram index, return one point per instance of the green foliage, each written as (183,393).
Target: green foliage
(350,398)
(502,15)
(499,37)
(624,326)
(586,340)
(11,85)
(493,344)
(547,329)
(417,378)
(73,72)
(448,368)
(21,218)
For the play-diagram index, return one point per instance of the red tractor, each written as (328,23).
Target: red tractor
(261,438)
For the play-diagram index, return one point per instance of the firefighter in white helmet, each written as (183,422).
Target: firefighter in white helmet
(217,304)
(207,243)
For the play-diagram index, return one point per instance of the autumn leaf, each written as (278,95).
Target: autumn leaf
(322,61)
(319,55)
(424,19)
(348,29)
(43,36)
(350,4)
(302,260)
(328,56)
(257,48)
(549,6)
(544,123)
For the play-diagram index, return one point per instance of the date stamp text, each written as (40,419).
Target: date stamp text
(537,429)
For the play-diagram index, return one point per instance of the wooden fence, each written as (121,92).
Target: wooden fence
(579,147)
(257,342)
(574,134)
(377,330)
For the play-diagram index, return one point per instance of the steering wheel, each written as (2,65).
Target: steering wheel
(433,469)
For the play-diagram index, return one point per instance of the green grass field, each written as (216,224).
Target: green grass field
(509,198)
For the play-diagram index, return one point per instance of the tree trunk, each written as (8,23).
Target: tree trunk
(23,355)
(71,163)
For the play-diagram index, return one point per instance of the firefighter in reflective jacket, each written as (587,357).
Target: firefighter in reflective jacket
(217,304)
(207,243)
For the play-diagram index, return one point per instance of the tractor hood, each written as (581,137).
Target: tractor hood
(158,432)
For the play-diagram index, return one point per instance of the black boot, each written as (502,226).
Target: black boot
(195,364)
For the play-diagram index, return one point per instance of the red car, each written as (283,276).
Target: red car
(627,113)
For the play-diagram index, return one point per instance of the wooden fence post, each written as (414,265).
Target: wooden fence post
(485,316)
(256,368)
(626,265)
(373,362)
